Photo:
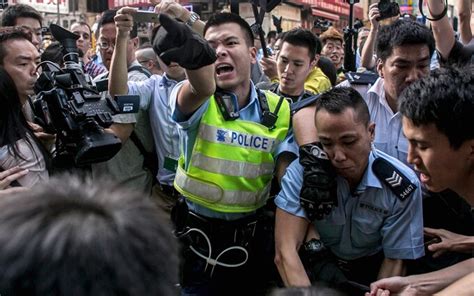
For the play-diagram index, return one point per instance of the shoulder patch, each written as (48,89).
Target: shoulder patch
(387,173)
(363,78)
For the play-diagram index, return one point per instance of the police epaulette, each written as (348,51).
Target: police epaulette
(366,77)
(400,185)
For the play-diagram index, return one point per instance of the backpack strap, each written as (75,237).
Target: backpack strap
(140,69)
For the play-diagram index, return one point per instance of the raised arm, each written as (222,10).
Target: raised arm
(464,9)
(367,55)
(442,30)
(118,67)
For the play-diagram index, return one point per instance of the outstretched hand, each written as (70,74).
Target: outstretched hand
(450,242)
(392,286)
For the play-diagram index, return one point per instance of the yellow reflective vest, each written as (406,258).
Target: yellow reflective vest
(231,165)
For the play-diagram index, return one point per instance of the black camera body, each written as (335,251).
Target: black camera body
(69,105)
(388,9)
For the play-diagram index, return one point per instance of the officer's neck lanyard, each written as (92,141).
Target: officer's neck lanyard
(229,106)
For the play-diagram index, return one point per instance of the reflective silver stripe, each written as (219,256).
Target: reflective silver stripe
(226,136)
(231,167)
(213,194)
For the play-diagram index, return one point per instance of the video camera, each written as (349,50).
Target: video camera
(70,105)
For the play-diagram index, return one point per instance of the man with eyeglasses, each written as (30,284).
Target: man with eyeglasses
(25,16)
(83,30)
(127,167)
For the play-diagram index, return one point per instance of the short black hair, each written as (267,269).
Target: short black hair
(304,38)
(12,33)
(12,12)
(69,237)
(108,17)
(227,17)
(328,68)
(402,32)
(338,99)
(271,34)
(444,98)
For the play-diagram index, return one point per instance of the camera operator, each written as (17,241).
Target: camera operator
(25,16)
(127,166)
(19,146)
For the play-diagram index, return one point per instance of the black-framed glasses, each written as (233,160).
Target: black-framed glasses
(104,45)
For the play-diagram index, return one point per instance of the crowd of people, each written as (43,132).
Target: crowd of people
(244,173)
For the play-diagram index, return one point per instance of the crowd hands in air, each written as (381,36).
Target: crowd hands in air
(372,173)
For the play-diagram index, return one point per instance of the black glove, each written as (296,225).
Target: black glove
(318,194)
(176,42)
(277,23)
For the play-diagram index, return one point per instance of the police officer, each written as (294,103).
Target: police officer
(377,222)
(230,142)
(297,58)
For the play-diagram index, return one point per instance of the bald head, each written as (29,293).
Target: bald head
(147,58)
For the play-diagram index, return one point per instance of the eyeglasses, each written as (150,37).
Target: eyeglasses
(143,61)
(104,45)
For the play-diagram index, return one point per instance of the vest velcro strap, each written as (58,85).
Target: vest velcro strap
(231,167)
(208,194)
(219,135)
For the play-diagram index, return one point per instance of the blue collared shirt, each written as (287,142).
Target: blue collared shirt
(188,132)
(370,219)
(155,96)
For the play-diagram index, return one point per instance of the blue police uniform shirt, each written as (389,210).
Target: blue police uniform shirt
(389,136)
(155,96)
(189,127)
(368,220)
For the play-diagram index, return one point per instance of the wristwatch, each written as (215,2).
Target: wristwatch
(193,17)
(314,246)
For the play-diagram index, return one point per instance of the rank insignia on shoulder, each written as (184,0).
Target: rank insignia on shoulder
(364,78)
(400,185)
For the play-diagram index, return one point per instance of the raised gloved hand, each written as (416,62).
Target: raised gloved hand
(318,195)
(176,42)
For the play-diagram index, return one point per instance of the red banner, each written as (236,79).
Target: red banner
(120,3)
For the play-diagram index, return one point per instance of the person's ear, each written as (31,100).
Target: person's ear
(471,152)
(134,42)
(371,129)
(380,65)
(315,61)
(253,54)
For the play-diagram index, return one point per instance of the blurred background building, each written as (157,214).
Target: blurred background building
(294,13)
